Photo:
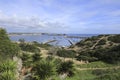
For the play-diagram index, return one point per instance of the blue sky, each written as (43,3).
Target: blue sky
(61,16)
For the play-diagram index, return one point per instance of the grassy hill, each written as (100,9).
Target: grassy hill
(95,58)
(102,54)
(96,48)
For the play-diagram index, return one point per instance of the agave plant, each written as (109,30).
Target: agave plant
(7,75)
(43,70)
(8,65)
(66,68)
(7,70)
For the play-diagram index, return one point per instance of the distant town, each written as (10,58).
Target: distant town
(49,34)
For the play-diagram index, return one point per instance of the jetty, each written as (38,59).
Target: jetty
(81,37)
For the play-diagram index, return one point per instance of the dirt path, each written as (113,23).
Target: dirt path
(97,42)
(70,59)
(81,69)
(44,53)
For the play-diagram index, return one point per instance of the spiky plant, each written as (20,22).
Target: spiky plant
(7,75)
(8,65)
(43,70)
(7,70)
(66,68)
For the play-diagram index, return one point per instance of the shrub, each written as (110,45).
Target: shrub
(43,70)
(29,47)
(102,42)
(7,70)
(81,43)
(7,48)
(93,38)
(3,35)
(41,45)
(86,56)
(36,57)
(66,53)
(66,67)
(27,59)
(7,75)
(115,38)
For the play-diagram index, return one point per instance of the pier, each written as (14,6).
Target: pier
(81,37)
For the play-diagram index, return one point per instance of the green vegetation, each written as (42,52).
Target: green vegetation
(97,64)
(7,51)
(105,55)
(93,38)
(7,48)
(102,42)
(89,42)
(43,70)
(109,74)
(110,55)
(86,56)
(29,47)
(36,57)
(27,59)
(7,70)
(66,68)
(45,62)
(66,53)
(115,38)
(46,46)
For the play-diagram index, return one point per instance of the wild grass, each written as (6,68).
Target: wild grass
(97,64)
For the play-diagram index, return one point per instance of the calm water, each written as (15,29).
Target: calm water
(61,40)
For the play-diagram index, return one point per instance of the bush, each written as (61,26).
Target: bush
(86,56)
(41,45)
(81,43)
(110,74)
(7,70)
(43,70)
(3,35)
(66,67)
(29,47)
(36,57)
(102,42)
(93,38)
(109,55)
(115,38)
(7,48)
(27,59)
(66,53)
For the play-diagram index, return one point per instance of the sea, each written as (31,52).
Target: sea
(59,40)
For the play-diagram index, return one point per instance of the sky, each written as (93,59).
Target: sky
(61,16)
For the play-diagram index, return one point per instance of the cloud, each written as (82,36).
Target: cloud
(28,23)
(73,16)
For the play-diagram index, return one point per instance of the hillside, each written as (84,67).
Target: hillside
(95,42)
(102,47)
(96,57)
(101,55)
